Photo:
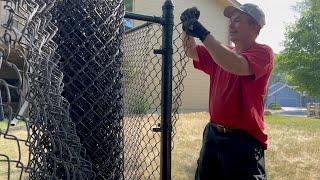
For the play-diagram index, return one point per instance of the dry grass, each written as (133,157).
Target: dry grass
(10,144)
(141,147)
(187,143)
(293,154)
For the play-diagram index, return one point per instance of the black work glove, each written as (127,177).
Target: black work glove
(194,28)
(190,13)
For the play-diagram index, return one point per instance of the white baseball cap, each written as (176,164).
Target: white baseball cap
(251,9)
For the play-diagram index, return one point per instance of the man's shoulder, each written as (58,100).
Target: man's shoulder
(261,52)
(264,47)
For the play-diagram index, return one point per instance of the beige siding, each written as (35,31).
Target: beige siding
(195,95)
(3,16)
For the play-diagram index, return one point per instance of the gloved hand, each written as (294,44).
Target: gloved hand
(190,13)
(194,28)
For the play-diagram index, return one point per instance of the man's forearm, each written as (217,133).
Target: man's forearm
(227,59)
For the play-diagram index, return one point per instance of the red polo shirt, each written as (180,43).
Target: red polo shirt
(238,101)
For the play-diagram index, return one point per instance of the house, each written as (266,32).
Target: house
(7,72)
(196,84)
(284,95)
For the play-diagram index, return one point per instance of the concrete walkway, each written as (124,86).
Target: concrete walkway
(291,111)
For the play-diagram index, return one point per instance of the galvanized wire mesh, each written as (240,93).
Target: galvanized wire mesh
(142,92)
(43,145)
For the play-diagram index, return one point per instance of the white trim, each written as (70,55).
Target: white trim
(277,90)
(274,85)
(280,88)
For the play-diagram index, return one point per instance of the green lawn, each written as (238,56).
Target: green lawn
(4,125)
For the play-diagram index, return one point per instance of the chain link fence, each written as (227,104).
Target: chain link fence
(43,144)
(142,89)
(142,97)
(85,102)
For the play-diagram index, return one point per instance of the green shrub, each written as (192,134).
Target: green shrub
(140,106)
(267,113)
(274,106)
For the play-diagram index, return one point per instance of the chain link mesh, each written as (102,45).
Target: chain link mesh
(47,147)
(142,97)
(142,87)
(89,38)
(87,108)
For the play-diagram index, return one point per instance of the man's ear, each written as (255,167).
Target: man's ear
(256,28)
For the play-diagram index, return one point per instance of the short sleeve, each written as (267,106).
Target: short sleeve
(260,60)
(204,62)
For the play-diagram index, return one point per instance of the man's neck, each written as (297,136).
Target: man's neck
(240,47)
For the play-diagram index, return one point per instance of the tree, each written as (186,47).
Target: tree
(300,59)
(278,74)
(129,5)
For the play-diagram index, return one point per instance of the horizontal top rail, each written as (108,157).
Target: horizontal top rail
(142,17)
(138,27)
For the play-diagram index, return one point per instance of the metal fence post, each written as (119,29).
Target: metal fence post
(166,86)
(1,106)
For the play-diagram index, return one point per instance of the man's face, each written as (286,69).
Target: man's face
(239,28)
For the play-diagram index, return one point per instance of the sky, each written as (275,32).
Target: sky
(278,14)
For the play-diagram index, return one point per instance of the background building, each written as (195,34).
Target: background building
(196,84)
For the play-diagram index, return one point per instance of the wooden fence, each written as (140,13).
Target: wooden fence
(313,110)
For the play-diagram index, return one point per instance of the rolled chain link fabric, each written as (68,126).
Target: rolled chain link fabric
(89,39)
(48,146)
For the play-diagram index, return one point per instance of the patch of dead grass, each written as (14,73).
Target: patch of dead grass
(10,154)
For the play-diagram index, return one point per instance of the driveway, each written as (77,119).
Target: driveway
(291,111)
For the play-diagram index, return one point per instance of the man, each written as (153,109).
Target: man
(234,140)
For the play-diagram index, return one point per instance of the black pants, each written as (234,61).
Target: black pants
(234,156)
